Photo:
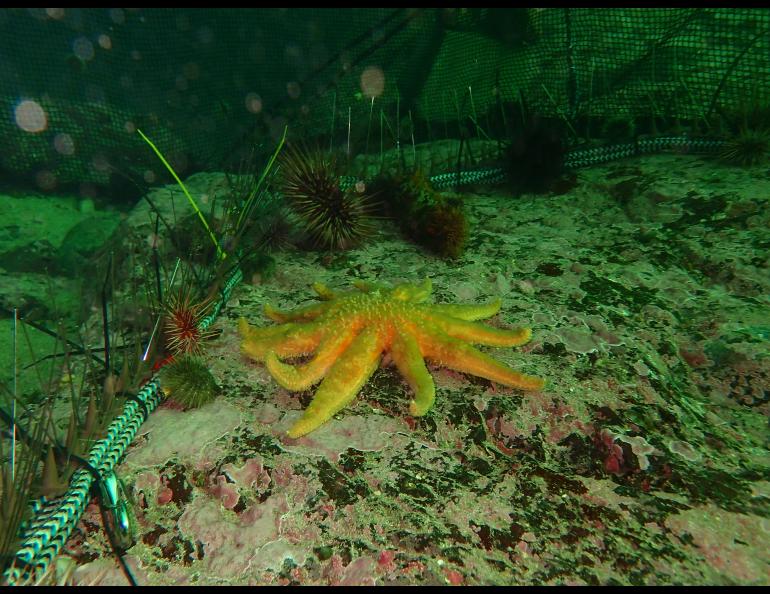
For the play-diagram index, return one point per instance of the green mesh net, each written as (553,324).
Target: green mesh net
(207,85)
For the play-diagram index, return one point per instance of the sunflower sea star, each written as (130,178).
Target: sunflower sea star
(348,331)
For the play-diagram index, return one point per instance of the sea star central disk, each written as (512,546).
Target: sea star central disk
(347,332)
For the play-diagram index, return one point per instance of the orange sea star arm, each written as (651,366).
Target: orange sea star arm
(409,362)
(309,312)
(479,333)
(468,312)
(345,378)
(301,377)
(292,341)
(455,354)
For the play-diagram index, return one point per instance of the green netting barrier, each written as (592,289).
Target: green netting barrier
(76,83)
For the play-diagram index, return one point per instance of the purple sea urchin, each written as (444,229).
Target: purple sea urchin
(332,217)
(750,146)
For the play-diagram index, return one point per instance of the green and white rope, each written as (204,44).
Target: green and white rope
(576,158)
(53,520)
(228,287)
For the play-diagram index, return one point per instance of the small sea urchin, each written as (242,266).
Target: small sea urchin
(188,382)
(750,146)
(446,230)
(332,217)
(534,157)
(182,323)
(434,220)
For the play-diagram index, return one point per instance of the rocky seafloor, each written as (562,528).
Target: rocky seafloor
(643,461)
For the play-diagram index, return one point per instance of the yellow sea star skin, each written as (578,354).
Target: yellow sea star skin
(347,332)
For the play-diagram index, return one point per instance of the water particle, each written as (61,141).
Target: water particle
(30,116)
(64,144)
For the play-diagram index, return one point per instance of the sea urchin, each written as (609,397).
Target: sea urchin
(189,382)
(332,217)
(750,146)
(182,324)
(435,220)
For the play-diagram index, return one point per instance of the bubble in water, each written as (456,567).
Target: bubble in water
(253,103)
(30,116)
(372,81)
(45,180)
(293,89)
(117,16)
(64,144)
(83,48)
(100,163)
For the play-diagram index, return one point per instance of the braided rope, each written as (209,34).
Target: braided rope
(490,175)
(53,520)
(228,287)
(580,157)
(45,535)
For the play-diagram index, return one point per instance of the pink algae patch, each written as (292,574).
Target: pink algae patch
(454,577)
